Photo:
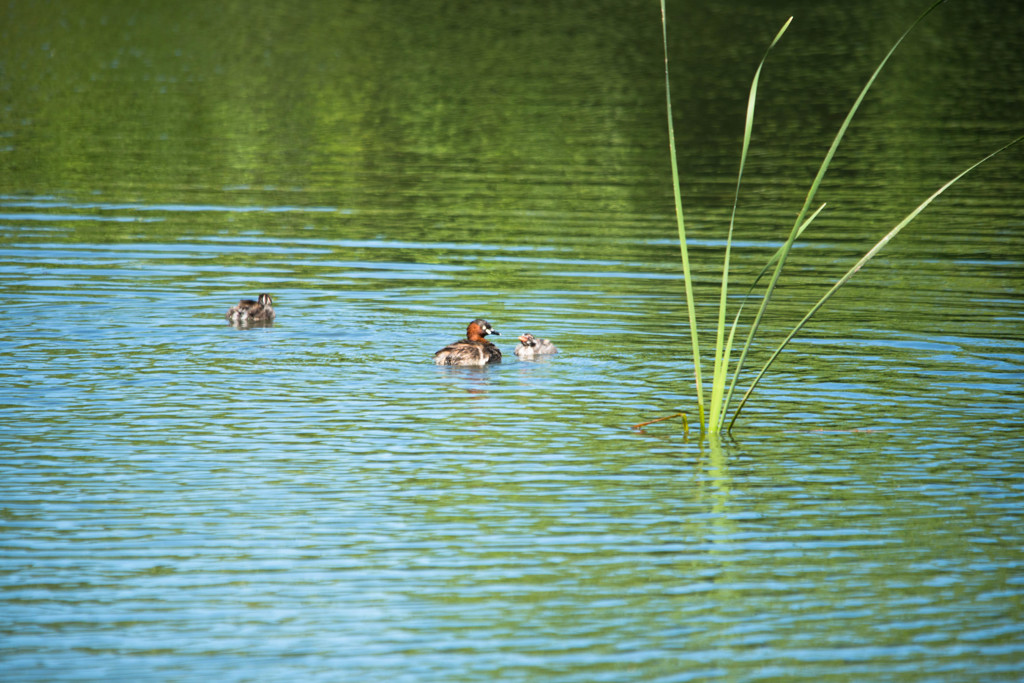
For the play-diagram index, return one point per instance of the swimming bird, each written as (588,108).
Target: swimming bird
(248,311)
(474,349)
(529,346)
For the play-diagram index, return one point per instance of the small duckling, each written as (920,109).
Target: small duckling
(529,346)
(473,350)
(248,311)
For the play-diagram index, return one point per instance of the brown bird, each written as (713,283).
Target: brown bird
(248,311)
(474,349)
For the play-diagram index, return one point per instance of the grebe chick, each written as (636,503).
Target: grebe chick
(473,350)
(529,346)
(248,311)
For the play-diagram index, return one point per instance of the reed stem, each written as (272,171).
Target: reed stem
(681,224)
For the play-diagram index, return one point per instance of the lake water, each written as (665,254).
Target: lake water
(184,500)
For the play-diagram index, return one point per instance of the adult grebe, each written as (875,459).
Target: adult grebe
(248,311)
(474,349)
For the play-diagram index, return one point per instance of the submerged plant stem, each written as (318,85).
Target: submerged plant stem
(686,423)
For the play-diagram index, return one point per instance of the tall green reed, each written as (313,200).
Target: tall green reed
(722,389)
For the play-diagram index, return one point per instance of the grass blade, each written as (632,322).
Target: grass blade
(857,266)
(784,251)
(684,254)
(739,311)
(723,350)
(736,321)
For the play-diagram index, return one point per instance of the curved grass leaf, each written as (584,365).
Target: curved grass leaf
(688,281)
(723,350)
(736,321)
(815,184)
(857,266)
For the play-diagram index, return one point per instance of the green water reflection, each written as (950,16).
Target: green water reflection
(474,109)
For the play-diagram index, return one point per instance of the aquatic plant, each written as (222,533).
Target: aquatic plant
(722,389)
